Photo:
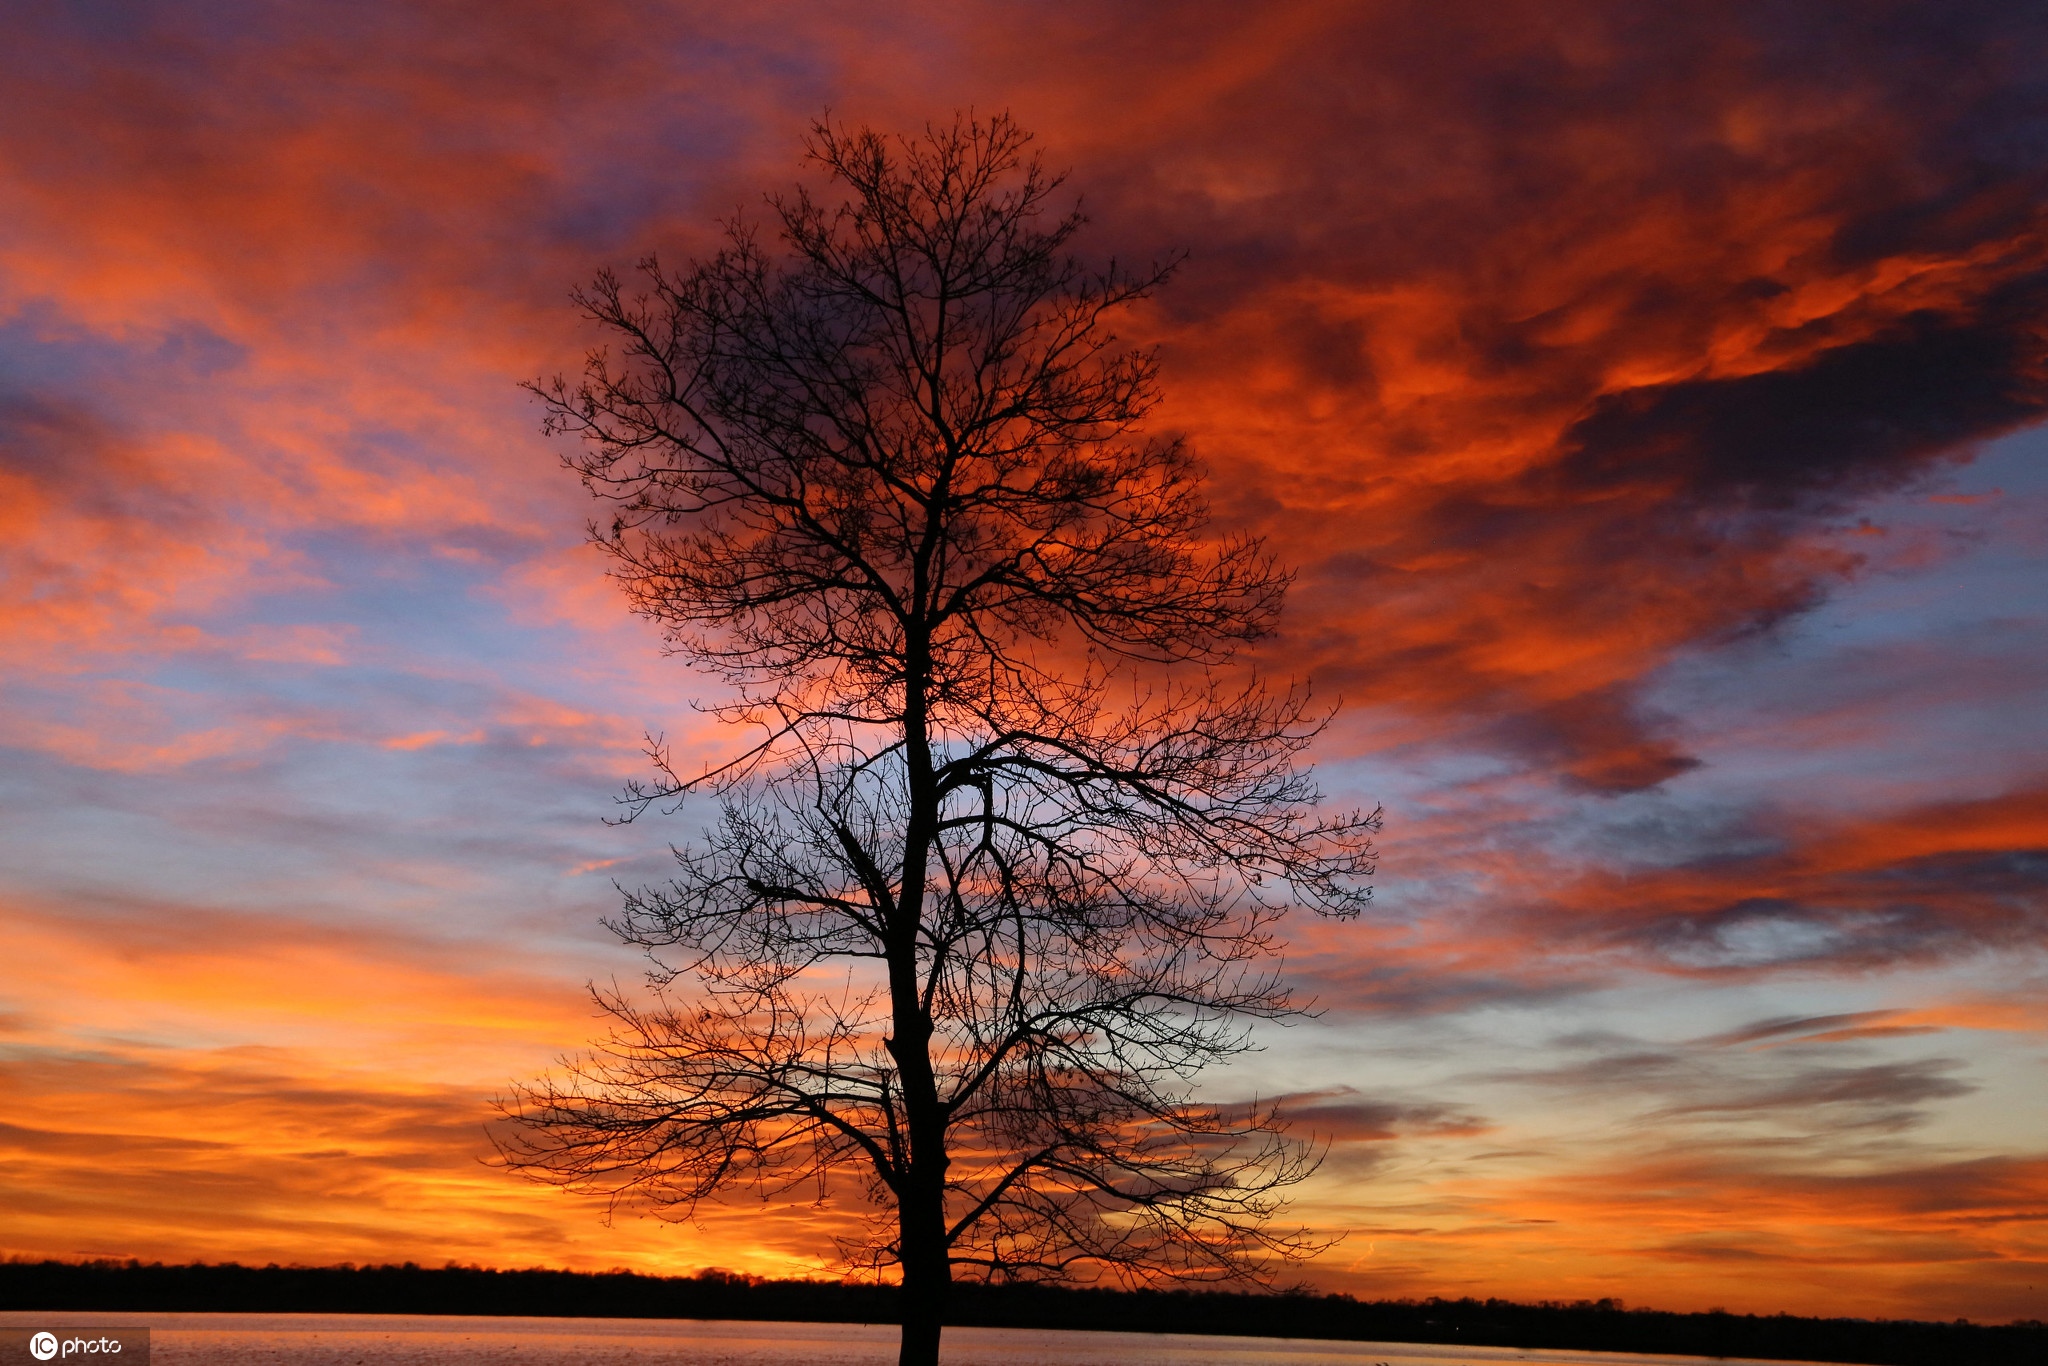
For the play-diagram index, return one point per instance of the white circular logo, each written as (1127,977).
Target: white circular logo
(43,1346)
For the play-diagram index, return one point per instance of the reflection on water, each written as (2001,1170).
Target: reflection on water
(432,1340)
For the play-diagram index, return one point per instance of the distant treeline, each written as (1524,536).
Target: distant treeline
(1602,1325)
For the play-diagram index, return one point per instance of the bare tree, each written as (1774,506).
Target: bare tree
(998,873)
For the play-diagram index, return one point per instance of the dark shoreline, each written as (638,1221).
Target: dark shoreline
(107,1286)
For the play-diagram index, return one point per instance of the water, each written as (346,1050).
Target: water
(448,1340)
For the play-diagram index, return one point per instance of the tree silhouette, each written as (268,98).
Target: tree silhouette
(999,870)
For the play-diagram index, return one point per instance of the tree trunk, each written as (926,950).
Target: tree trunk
(920,1342)
(924,1311)
(921,1201)
(921,1218)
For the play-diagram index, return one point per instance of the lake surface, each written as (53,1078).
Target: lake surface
(437,1340)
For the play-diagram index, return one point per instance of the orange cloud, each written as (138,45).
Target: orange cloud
(355,1131)
(181,1155)
(1717,1227)
(1945,878)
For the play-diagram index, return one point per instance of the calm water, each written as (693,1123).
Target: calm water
(403,1340)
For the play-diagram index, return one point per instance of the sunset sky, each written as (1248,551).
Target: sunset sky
(1647,394)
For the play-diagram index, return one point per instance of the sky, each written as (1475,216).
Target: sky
(1647,396)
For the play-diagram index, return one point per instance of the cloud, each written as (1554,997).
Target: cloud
(1858,417)
(1546,342)
(1518,901)
(102,531)
(1908,1234)
(1944,880)
(1344,1115)
(1568,293)
(183,1154)
(1716,1174)
(1857,1024)
(1891,1090)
